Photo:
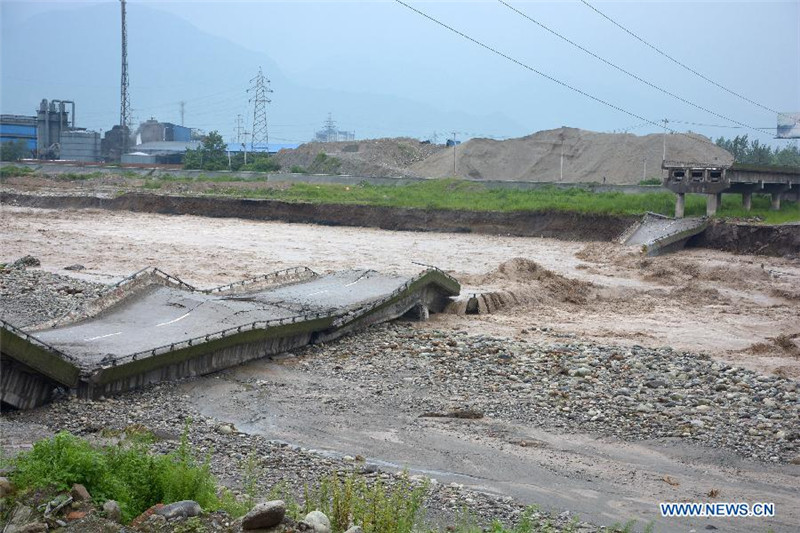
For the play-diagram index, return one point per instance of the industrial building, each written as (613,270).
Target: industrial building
(19,128)
(52,134)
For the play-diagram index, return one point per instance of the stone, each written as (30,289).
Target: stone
(318,521)
(354,529)
(26,261)
(6,487)
(75,515)
(75,267)
(181,509)
(225,429)
(795,460)
(18,519)
(112,511)
(79,493)
(264,515)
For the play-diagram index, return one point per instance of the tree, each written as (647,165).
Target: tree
(755,153)
(13,150)
(210,155)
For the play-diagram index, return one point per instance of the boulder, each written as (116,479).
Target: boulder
(182,509)
(264,515)
(112,510)
(6,487)
(318,522)
(26,261)
(79,493)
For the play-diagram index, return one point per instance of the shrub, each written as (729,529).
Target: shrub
(127,473)
(297,169)
(262,164)
(325,164)
(650,181)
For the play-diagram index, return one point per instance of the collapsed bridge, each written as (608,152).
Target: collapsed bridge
(153,327)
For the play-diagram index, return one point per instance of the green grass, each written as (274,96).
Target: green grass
(127,473)
(460,195)
(11,171)
(77,176)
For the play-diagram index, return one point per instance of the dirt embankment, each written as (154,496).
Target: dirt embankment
(567,226)
(781,240)
(588,156)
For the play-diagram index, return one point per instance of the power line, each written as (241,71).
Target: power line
(679,63)
(624,71)
(549,77)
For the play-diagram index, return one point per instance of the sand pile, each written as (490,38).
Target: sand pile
(588,157)
(373,157)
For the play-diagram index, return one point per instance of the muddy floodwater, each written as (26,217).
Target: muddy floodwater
(738,310)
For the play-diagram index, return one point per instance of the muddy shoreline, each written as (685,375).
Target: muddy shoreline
(777,240)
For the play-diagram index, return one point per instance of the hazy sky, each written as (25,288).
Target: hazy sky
(383,48)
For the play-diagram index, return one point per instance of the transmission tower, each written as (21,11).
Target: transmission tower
(259,88)
(125,101)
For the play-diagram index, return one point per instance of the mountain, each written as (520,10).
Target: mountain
(74,54)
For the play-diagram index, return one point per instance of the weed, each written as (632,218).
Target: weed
(11,171)
(297,169)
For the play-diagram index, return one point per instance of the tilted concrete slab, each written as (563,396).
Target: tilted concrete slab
(657,234)
(153,327)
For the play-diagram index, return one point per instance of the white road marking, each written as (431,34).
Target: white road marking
(356,281)
(173,321)
(103,336)
(318,292)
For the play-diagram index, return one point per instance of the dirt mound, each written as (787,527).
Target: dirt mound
(523,282)
(587,157)
(373,157)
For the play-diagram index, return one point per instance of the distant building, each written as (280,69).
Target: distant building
(19,128)
(330,134)
(51,133)
(155,131)
(160,152)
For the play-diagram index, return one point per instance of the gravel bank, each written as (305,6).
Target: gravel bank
(31,296)
(633,393)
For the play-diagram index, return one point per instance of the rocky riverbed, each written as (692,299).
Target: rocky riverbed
(632,393)
(439,378)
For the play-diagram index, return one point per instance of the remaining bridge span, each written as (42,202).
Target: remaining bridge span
(714,181)
(154,327)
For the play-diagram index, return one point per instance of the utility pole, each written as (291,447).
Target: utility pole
(561,177)
(125,103)
(644,170)
(183,111)
(664,156)
(454,153)
(259,89)
(239,129)
(244,145)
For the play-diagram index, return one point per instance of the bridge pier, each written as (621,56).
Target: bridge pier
(775,204)
(713,201)
(680,205)
(747,200)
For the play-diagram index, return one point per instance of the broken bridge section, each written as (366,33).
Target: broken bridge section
(657,234)
(153,327)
